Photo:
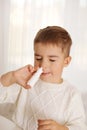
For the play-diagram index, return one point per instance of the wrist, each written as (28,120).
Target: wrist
(7,79)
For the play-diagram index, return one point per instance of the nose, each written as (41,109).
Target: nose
(44,64)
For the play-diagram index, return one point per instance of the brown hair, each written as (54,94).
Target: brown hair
(54,35)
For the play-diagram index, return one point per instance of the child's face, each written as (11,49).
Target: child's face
(51,59)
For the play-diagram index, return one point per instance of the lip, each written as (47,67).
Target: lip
(45,74)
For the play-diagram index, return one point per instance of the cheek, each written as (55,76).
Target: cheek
(57,68)
(36,63)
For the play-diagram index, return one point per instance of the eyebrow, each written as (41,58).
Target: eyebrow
(50,56)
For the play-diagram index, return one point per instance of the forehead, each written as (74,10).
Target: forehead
(47,49)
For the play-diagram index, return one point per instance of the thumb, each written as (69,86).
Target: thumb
(27,86)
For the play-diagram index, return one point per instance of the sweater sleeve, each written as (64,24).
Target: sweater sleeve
(76,114)
(9,94)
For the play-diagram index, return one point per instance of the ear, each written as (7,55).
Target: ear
(67,61)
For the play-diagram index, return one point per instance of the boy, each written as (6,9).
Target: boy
(51,104)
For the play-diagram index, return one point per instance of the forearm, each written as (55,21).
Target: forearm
(7,79)
(19,76)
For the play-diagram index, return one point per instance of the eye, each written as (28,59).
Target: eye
(52,60)
(38,58)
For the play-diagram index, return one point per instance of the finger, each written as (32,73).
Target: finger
(24,84)
(44,122)
(44,127)
(31,68)
(27,86)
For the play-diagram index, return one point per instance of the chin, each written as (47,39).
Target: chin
(46,80)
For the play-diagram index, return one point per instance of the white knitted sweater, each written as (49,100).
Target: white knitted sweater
(59,102)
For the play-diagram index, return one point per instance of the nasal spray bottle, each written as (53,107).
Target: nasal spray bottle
(35,77)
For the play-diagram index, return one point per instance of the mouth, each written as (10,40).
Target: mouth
(46,73)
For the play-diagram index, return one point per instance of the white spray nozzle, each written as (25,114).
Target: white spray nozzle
(35,77)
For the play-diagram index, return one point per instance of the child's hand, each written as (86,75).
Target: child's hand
(50,125)
(20,76)
(23,74)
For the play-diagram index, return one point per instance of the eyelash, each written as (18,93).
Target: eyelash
(52,60)
(38,59)
(49,60)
